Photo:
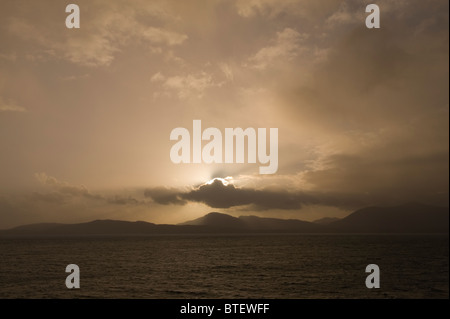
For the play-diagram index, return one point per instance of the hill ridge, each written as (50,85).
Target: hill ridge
(408,218)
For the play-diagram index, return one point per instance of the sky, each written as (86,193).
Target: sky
(86,114)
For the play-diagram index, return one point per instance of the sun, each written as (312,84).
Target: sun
(225,181)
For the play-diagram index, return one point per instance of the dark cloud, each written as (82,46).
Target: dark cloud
(165,196)
(218,195)
(387,180)
(64,192)
(382,99)
(79,191)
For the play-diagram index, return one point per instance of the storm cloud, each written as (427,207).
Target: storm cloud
(218,195)
(165,196)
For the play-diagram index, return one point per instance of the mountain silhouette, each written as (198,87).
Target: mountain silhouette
(409,218)
(216,220)
(326,220)
(253,223)
(282,225)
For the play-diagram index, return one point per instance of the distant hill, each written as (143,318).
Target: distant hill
(216,220)
(254,223)
(410,218)
(282,225)
(326,220)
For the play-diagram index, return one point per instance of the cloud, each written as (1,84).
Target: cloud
(161,36)
(378,106)
(165,196)
(304,11)
(344,15)
(65,188)
(10,107)
(270,8)
(12,57)
(218,195)
(387,180)
(44,179)
(75,77)
(106,28)
(227,71)
(185,86)
(284,47)
(158,77)
(122,200)
(64,192)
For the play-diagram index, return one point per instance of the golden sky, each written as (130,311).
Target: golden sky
(86,114)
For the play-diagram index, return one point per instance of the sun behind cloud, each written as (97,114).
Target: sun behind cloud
(225,181)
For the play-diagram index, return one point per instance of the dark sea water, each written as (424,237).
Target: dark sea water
(227,266)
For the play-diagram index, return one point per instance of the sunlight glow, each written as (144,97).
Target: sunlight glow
(225,181)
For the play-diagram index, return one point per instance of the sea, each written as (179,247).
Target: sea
(231,266)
